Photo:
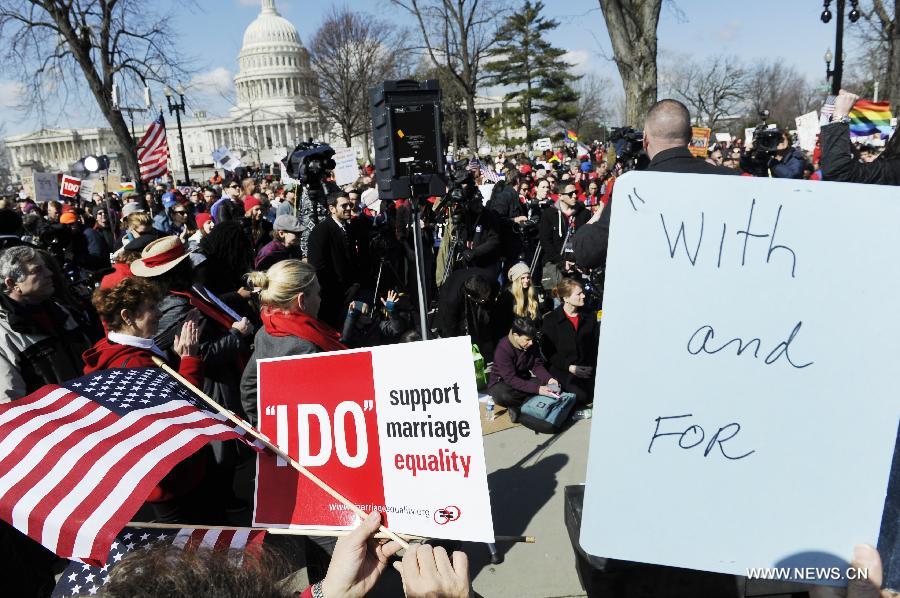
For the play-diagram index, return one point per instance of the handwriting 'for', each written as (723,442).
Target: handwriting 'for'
(748,232)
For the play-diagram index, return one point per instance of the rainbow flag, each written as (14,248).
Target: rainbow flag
(870,118)
(571,135)
(126,186)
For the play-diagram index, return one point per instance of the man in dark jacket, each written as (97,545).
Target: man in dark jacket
(557,231)
(331,252)
(667,134)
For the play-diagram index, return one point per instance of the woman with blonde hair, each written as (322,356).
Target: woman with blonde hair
(518,300)
(289,296)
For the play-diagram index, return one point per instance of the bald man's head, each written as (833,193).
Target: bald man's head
(669,122)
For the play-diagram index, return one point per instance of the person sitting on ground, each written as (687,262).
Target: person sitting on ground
(518,300)
(284,246)
(517,356)
(569,341)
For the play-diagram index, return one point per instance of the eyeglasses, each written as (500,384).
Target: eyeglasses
(181,212)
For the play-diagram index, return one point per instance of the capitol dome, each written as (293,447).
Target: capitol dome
(273,65)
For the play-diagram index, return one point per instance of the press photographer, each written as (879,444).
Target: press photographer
(471,238)
(772,153)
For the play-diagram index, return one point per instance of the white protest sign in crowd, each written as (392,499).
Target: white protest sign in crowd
(46,186)
(346,169)
(394,428)
(746,406)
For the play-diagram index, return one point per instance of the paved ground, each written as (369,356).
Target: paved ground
(527,473)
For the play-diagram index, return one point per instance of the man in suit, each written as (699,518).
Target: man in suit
(332,251)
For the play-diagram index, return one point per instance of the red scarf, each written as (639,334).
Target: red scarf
(206,309)
(301,325)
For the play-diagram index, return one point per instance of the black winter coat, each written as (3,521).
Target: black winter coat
(563,346)
(838,163)
(552,231)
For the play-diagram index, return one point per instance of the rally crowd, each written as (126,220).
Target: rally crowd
(211,278)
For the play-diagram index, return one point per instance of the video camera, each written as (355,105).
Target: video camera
(309,162)
(765,147)
(629,146)
(461,188)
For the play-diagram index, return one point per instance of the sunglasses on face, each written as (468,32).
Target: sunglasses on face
(181,212)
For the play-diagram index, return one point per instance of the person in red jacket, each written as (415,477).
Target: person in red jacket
(130,314)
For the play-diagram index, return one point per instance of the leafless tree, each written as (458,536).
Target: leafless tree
(56,46)
(594,104)
(632,31)
(781,90)
(457,35)
(350,53)
(711,90)
(878,40)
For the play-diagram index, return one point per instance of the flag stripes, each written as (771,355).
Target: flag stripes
(78,462)
(153,151)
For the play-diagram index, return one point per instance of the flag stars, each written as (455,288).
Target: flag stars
(73,577)
(145,536)
(89,577)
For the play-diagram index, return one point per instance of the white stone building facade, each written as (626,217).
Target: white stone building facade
(276,92)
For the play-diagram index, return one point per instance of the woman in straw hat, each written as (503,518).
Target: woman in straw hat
(224,343)
(224,340)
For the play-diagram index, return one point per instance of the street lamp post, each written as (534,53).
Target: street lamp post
(178,108)
(837,73)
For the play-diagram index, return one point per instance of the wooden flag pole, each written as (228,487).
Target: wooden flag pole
(277,450)
(287,531)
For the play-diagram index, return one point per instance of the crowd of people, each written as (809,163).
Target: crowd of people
(213,277)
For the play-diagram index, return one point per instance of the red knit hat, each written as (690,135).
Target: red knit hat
(202,218)
(250,202)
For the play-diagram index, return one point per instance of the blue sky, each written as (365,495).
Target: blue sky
(211,32)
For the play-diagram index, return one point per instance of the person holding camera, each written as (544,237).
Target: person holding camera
(516,358)
(788,161)
(557,228)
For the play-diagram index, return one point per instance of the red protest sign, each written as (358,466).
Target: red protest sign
(69,186)
(393,428)
(335,438)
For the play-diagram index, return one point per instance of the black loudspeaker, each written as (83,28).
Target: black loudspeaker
(406,131)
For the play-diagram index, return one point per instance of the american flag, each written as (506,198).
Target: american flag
(85,580)
(78,460)
(487,173)
(827,111)
(153,151)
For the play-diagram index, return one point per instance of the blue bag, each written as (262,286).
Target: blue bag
(546,414)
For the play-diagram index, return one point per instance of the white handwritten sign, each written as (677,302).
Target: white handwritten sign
(46,186)
(746,401)
(346,170)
